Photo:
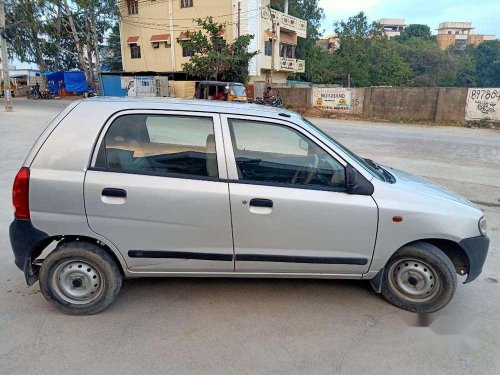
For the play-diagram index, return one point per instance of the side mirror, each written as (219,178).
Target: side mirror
(350,178)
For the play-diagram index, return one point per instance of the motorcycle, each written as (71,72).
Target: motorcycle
(273,101)
(33,94)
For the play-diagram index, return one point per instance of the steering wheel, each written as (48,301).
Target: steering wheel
(314,170)
(333,167)
(313,166)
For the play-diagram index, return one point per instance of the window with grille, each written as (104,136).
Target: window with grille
(268,48)
(135,51)
(187,52)
(133,6)
(186,3)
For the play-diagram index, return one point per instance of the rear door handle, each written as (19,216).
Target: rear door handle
(113,192)
(259,202)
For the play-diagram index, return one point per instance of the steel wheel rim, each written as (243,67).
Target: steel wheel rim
(413,280)
(78,281)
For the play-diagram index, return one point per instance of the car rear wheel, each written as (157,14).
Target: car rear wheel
(419,278)
(80,278)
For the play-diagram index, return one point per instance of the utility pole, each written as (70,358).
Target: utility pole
(273,43)
(5,60)
(239,19)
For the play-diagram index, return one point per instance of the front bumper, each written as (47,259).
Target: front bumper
(24,239)
(476,249)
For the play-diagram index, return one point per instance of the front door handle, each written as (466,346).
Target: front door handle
(259,202)
(113,192)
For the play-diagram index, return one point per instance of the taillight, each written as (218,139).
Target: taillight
(20,194)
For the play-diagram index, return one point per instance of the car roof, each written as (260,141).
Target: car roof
(198,105)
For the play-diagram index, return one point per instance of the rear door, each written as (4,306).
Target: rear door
(157,189)
(290,210)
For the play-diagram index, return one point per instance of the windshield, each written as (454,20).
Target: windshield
(372,170)
(238,90)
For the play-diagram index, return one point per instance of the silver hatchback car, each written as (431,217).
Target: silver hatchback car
(123,188)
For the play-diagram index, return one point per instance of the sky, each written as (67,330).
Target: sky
(484,15)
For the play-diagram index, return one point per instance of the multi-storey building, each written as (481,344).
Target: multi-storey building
(149,30)
(459,34)
(330,44)
(392,26)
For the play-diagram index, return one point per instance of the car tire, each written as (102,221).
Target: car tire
(80,278)
(419,278)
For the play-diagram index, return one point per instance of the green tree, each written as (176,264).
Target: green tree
(59,34)
(212,56)
(430,65)
(358,28)
(415,31)
(366,55)
(112,52)
(488,64)
(26,35)
(465,65)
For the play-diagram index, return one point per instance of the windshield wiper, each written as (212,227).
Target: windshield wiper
(374,164)
(386,175)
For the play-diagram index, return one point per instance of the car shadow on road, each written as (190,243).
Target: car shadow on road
(245,291)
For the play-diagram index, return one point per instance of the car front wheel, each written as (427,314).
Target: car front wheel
(419,278)
(80,278)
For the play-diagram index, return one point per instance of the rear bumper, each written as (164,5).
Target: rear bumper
(24,238)
(476,249)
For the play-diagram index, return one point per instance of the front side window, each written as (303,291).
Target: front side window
(160,144)
(186,3)
(272,153)
(135,51)
(369,168)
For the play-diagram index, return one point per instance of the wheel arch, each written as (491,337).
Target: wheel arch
(60,239)
(452,250)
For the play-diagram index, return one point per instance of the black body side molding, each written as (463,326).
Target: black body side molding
(299,259)
(179,255)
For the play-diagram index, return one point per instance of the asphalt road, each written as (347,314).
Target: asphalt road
(227,326)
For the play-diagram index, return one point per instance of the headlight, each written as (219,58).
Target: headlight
(483,228)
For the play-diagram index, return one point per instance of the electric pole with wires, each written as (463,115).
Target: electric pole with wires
(5,61)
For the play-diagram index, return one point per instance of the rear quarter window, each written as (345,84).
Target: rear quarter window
(160,144)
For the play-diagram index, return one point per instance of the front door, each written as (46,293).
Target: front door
(158,190)
(289,207)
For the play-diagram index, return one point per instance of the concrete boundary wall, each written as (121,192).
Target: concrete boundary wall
(415,103)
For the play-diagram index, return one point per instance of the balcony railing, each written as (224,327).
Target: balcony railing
(292,65)
(286,21)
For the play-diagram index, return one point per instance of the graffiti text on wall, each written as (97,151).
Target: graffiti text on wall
(483,103)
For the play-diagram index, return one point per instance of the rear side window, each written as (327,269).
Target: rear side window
(160,144)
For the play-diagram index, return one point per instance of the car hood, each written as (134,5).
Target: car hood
(423,185)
